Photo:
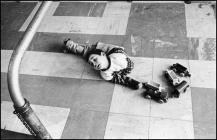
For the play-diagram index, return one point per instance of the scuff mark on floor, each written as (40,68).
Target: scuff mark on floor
(199,49)
(136,46)
(205,49)
(73,28)
(209,8)
(160,43)
(91,9)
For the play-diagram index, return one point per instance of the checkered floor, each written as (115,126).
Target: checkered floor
(155,34)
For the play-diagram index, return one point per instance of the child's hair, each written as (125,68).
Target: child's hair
(94,51)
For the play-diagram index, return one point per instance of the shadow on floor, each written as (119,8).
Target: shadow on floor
(5,134)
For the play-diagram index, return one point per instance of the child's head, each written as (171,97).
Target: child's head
(98,59)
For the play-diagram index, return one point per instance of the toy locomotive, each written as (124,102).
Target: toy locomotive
(156,92)
(175,75)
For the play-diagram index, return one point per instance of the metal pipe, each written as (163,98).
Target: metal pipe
(14,65)
(21,105)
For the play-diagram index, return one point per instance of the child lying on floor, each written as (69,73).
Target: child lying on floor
(112,62)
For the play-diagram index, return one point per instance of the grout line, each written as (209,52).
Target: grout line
(87,1)
(157,1)
(133,115)
(149,122)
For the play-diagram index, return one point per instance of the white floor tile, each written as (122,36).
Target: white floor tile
(200,22)
(128,101)
(170,129)
(117,9)
(203,73)
(5,59)
(157,2)
(143,68)
(90,73)
(121,126)
(47,64)
(176,108)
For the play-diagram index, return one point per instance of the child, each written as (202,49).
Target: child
(111,60)
(114,66)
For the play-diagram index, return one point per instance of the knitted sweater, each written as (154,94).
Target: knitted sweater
(119,65)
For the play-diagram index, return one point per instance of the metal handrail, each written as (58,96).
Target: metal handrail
(21,105)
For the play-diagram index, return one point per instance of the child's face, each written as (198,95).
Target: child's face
(98,61)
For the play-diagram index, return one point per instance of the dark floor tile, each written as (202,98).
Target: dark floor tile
(50,91)
(174,27)
(143,19)
(168,30)
(170,40)
(80,9)
(141,27)
(110,39)
(5,134)
(97,10)
(127,44)
(84,124)
(170,13)
(147,47)
(119,40)
(171,47)
(14,14)
(136,43)
(204,104)
(202,48)
(204,130)
(53,42)
(63,92)
(141,46)
(10,39)
(47,42)
(5,96)
(43,90)
(144,11)
(32,87)
(94,95)
(72,9)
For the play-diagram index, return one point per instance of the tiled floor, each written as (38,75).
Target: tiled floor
(155,34)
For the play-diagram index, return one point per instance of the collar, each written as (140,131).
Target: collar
(109,60)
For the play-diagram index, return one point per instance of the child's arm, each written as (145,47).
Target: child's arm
(107,47)
(83,49)
(76,48)
(122,79)
(73,47)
